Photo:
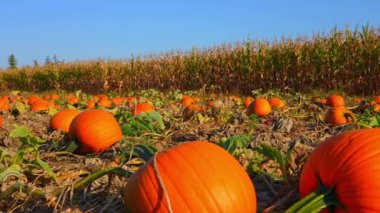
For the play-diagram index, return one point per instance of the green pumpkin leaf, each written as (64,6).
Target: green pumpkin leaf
(272,154)
(4,154)
(45,166)
(155,116)
(13,170)
(254,118)
(36,140)
(235,142)
(19,132)
(142,123)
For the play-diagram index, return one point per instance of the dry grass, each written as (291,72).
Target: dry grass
(345,60)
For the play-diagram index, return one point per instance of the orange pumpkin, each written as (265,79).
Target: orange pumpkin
(377,99)
(32,99)
(186,101)
(211,104)
(142,107)
(276,102)
(117,101)
(90,104)
(4,104)
(344,168)
(260,107)
(337,116)
(102,96)
(104,102)
(73,100)
(95,131)
(376,108)
(191,177)
(335,101)
(131,99)
(62,120)
(40,105)
(4,99)
(247,101)
(323,100)
(54,97)
(190,110)
(95,98)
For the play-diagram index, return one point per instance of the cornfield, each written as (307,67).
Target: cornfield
(347,60)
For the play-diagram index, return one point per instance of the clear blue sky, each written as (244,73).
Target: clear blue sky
(84,29)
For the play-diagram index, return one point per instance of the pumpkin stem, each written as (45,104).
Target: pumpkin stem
(161,181)
(321,198)
(351,115)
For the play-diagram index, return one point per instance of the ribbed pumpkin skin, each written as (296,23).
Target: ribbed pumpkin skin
(349,162)
(198,176)
(62,119)
(96,130)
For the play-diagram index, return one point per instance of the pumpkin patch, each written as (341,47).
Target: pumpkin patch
(142,157)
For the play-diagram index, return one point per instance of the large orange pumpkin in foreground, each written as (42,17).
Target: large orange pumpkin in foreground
(191,177)
(344,168)
(95,130)
(62,120)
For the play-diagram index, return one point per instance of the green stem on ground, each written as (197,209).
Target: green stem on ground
(36,192)
(89,179)
(321,198)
